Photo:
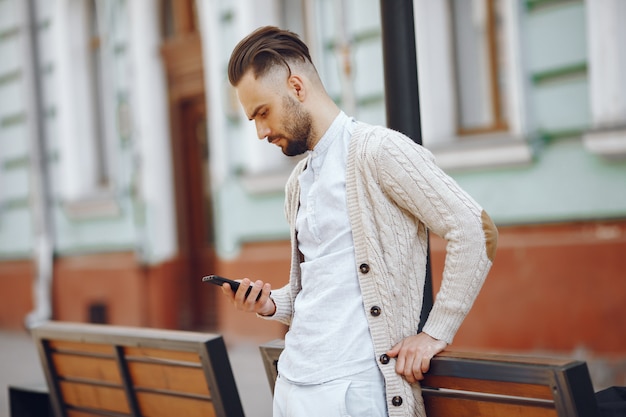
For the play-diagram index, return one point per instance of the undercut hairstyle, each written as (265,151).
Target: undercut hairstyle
(264,49)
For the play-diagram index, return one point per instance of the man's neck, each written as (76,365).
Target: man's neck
(323,116)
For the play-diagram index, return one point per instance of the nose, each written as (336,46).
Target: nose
(262,130)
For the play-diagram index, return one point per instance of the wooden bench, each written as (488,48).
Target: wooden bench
(115,371)
(487,385)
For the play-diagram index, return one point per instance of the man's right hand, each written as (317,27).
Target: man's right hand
(264,306)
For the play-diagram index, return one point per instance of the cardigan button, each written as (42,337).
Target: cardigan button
(375,311)
(396,401)
(364,268)
(384,359)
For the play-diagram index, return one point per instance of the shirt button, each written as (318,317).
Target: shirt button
(375,311)
(396,401)
(364,268)
(384,359)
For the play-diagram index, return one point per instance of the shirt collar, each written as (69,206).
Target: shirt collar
(334,130)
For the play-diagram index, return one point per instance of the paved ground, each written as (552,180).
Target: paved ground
(19,365)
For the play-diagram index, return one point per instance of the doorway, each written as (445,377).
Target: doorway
(182,57)
(196,235)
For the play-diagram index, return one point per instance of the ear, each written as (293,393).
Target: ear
(297,86)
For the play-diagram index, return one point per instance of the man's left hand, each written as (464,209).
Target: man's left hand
(414,354)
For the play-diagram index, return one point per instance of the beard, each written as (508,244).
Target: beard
(298,128)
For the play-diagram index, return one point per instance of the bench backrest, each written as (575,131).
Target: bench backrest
(104,370)
(482,384)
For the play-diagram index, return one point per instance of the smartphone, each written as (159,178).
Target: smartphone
(234,285)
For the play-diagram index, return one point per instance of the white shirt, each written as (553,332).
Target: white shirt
(329,336)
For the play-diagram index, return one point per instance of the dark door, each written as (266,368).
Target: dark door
(182,55)
(196,214)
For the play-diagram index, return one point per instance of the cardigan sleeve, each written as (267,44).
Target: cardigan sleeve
(408,175)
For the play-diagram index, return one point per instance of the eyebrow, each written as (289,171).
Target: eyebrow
(255,112)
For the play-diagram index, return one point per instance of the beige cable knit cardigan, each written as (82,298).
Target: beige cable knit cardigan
(395,192)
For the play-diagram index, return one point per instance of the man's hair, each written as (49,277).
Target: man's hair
(264,49)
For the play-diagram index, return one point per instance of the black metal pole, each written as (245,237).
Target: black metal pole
(402,93)
(400,65)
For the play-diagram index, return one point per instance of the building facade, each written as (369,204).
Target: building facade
(128,170)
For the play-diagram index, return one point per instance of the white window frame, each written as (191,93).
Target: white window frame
(607,82)
(81,194)
(438,107)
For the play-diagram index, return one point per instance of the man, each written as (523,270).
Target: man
(359,206)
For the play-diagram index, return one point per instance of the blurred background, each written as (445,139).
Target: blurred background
(128,170)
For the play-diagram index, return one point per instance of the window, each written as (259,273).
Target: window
(85,107)
(472,83)
(607,66)
(95,84)
(480,70)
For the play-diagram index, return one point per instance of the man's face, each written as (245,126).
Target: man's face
(278,116)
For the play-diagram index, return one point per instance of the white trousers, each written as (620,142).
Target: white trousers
(360,395)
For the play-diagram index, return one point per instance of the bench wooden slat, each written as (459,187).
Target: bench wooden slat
(490,387)
(94,397)
(504,358)
(459,407)
(162,405)
(137,353)
(83,413)
(81,347)
(173,378)
(85,367)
